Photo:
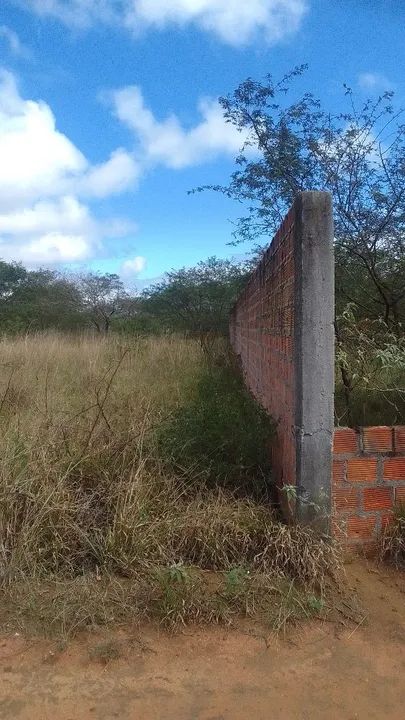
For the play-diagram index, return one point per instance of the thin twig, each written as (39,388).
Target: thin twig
(357,626)
(7,390)
(101,404)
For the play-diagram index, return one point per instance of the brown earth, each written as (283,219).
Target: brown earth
(327,671)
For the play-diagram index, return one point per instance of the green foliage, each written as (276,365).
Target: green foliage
(11,276)
(236,581)
(102,297)
(222,435)
(197,300)
(141,323)
(356,155)
(175,588)
(316,604)
(37,300)
(176,573)
(370,371)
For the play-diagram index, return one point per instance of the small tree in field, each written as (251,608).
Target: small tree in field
(357,155)
(102,296)
(197,300)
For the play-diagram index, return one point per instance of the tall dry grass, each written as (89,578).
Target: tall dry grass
(95,526)
(392,545)
(51,379)
(75,413)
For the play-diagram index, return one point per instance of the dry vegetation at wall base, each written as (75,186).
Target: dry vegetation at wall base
(111,511)
(393,539)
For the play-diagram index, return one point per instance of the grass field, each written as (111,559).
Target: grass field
(110,509)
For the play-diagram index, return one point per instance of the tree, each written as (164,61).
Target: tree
(357,155)
(371,361)
(197,300)
(37,300)
(11,277)
(103,296)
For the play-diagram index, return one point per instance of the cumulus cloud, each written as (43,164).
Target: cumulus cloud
(234,21)
(113,176)
(49,232)
(36,159)
(133,266)
(374,81)
(42,217)
(46,181)
(42,176)
(166,142)
(50,249)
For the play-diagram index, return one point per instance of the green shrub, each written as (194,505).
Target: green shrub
(221,436)
(370,372)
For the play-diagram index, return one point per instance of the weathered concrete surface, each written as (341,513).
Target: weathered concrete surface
(314,354)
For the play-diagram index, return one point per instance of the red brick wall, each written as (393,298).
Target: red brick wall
(368,479)
(273,314)
(262,334)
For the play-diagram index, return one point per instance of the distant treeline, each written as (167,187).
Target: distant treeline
(195,301)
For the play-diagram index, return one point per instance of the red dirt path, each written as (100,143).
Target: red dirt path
(322,671)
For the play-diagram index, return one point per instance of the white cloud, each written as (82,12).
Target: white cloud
(36,159)
(49,231)
(45,179)
(233,21)
(42,217)
(113,176)
(50,249)
(42,176)
(13,41)
(374,81)
(167,142)
(133,266)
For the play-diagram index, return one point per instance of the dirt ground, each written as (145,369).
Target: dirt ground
(322,671)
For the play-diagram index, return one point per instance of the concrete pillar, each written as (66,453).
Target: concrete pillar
(314,355)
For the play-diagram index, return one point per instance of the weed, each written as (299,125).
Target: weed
(221,434)
(317,604)
(236,579)
(106,651)
(393,539)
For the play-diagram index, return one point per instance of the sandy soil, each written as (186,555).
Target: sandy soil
(321,671)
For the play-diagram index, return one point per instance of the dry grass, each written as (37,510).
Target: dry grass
(106,651)
(94,527)
(393,539)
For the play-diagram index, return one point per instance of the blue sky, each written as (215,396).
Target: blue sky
(109,115)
